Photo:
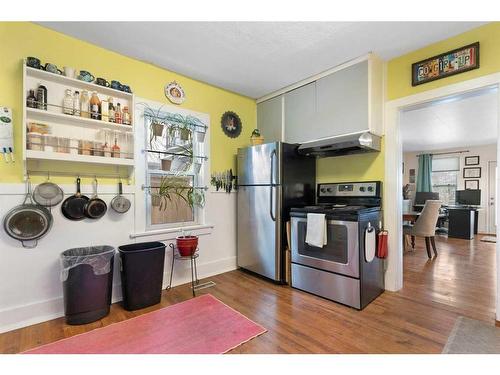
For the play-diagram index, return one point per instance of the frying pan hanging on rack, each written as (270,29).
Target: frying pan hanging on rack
(95,208)
(120,203)
(73,208)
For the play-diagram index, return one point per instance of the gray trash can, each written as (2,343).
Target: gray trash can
(87,277)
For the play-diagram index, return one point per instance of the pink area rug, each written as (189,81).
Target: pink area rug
(202,325)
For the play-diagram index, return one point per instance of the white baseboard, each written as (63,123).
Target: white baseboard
(42,311)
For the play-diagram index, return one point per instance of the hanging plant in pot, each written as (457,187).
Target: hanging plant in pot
(156,120)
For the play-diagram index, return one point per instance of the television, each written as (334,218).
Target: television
(468,197)
(422,196)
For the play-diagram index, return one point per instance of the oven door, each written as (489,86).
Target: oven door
(339,255)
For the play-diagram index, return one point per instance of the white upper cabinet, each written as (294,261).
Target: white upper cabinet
(300,113)
(342,102)
(348,99)
(270,119)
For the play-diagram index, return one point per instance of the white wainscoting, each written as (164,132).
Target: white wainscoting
(30,288)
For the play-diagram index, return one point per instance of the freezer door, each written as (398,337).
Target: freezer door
(259,230)
(259,165)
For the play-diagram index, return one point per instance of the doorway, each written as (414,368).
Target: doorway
(393,200)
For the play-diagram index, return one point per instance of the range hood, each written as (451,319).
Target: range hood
(348,144)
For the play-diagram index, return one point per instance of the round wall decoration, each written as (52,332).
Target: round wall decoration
(231,124)
(175,93)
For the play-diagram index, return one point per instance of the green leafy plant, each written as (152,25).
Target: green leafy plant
(172,190)
(255,133)
(157,120)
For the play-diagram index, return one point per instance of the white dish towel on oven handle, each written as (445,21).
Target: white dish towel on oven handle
(316,234)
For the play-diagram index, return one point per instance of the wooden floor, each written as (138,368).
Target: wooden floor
(417,319)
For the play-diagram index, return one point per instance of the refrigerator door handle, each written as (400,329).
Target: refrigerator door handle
(271,186)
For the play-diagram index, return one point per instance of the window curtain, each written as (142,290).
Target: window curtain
(424,177)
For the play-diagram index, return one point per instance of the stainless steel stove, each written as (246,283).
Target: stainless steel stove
(344,270)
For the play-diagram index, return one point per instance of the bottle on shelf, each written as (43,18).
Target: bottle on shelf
(111,110)
(95,106)
(68,102)
(118,114)
(126,116)
(76,103)
(41,97)
(85,104)
(31,100)
(115,150)
(106,150)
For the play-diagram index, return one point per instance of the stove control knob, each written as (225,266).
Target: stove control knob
(361,188)
(370,188)
(323,190)
(329,190)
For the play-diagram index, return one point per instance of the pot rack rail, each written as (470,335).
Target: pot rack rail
(48,174)
(149,188)
(175,154)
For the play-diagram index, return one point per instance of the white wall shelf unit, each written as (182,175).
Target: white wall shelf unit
(76,129)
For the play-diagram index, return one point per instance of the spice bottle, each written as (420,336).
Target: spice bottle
(95,106)
(126,116)
(111,110)
(115,150)
(118,114)
(85,104)
(68,102)
(31,100)
(76,103)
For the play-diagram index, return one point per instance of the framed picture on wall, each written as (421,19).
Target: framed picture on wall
(472,160)
(472,172)
(412,176)
(471,184)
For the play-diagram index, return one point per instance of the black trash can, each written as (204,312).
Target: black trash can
(142,274)
(87,277)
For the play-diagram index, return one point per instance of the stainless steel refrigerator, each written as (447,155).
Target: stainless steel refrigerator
(272,178)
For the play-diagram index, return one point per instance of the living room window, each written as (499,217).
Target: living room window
(445,178)
(176,154)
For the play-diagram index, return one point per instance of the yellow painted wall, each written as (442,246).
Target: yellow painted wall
(399,69)
(21,39)
(361,167)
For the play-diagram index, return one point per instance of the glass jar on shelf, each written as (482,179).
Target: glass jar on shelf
(34,141)
(115,149)
(63,145)
(85,104)
(85,147)
(68,102)
(74,148)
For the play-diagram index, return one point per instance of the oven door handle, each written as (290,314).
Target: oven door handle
(271,186)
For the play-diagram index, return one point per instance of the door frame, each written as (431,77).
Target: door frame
(488,207)
(393,183)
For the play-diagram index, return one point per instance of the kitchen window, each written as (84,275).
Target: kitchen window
(445,178)
(176,155)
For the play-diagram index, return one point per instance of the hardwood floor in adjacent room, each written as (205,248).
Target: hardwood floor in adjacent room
(417,319)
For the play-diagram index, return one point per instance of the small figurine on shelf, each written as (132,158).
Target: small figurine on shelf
(256,138)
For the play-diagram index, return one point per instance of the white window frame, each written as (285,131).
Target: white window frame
(450,170)
(142,209)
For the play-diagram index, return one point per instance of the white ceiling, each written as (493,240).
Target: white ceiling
(257,58)
(462,121)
